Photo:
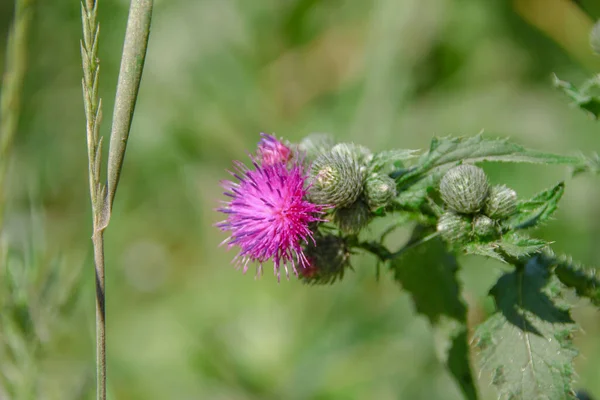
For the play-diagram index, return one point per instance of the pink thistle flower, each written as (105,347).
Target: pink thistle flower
(271,150)
(268,216)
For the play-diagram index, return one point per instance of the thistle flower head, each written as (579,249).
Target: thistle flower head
(454,228)
(380,189)
(268,215)
(353,218)
(336,177)
(484,227)
(464,189)
(271,150)
(501,202)
(328,257)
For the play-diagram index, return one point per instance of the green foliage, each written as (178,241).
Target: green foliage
(388,160)
(527,344)
(38,296)
(439,300)
(582,97)
(585,280)
(537,210)
(417,182)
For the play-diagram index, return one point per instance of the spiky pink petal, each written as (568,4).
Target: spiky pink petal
(268,215)
(272,151)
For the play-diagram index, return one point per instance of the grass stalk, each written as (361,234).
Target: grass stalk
(132,64)
(93,116)
(12,84)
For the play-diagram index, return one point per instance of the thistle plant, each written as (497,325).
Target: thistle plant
(315,221)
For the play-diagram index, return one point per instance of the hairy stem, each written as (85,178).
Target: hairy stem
(12,84)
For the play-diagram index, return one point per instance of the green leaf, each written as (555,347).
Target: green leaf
(581,97)
(484,249)
(590,164)
(527,343)
(444,153)
(428,273)
(519,246)
(386,161)
(536,210)
(509,247)
(585,280)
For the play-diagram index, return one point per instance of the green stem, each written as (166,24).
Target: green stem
(12,84)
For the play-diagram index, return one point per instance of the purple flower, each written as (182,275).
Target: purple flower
(268,215)
(271,150)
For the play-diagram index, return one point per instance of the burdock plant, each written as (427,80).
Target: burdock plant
(314,216)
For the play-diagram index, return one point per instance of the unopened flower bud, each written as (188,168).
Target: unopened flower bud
(328,256)
(595,38)
(484,227)
(454,228)
(501,202)
(315,144)
(464,189)
(379,190)
(358,152)
(336,178)
(353,218)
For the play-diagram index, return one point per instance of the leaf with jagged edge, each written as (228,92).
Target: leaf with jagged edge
(428,273)
(444,153)
(483,249)
(527,344)
(581,97)
(590,164)
(520,246)
(585,280)
(385,161)
(536,210)
(512,245)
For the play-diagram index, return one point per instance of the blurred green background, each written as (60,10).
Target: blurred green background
(183,323)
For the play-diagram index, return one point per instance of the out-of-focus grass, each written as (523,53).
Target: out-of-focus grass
(182,322)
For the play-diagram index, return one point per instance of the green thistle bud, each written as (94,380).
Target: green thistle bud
(315,144)
(464,189)
(353,218)
(454,228)
(501,202)
(328,257)
(336,178)
(379,190)
(358,152)
(484,227)
(595,38)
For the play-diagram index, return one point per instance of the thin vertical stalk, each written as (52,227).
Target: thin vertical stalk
(93,114)
(12,84)
(130,75)
(132,65)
